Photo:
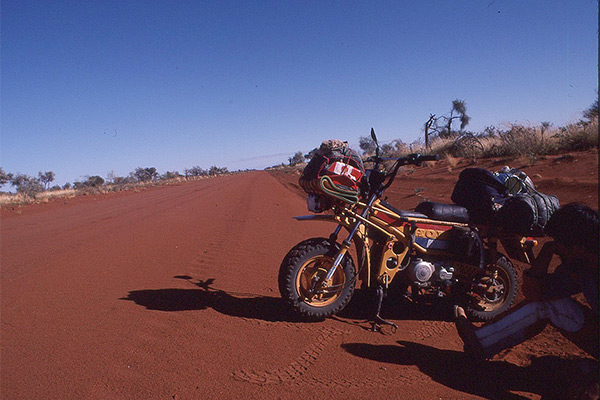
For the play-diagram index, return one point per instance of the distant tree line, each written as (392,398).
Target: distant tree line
(32,185)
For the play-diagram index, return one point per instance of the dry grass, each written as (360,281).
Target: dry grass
(517,140)
(44,197)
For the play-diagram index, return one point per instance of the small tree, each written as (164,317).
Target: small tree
(195,171)
(366,144)
(145,174)
(5,177)
(152,173)
(296,159)
(214,170)
(46,178)
(170,175)
(95,181)
(90,181)
(27,185)
(442,125)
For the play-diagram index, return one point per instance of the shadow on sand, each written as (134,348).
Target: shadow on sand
(551,377)
(274,309)
(264,308)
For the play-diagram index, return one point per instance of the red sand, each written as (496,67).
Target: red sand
(171,293)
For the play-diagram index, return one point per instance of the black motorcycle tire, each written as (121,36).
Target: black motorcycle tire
(508,275)
(308,259)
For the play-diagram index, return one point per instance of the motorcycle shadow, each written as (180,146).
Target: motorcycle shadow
(551,377)
(244,305)
(397,307)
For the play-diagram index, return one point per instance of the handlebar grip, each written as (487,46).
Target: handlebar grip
(432,157)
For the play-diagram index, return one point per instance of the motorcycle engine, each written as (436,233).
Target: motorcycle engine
(421,272)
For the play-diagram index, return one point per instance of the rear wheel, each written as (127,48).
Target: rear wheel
(303,284)
(493,291)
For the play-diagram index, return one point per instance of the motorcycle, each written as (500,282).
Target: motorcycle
(434,253)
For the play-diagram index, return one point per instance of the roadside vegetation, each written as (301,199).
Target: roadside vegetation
(35,189)
(447,136)
(510,141)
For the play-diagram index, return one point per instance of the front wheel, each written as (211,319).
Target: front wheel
(303,284)
(493,291)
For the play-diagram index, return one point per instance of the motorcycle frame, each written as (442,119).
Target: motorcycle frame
(357,218)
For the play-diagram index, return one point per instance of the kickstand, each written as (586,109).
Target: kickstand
(377,320)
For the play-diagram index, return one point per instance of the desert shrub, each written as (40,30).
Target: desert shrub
(145,174)
(170,175)
(214,170)
(94,181)
(195,171)
(577,137)
(27,185)
(441,146)
(123,180)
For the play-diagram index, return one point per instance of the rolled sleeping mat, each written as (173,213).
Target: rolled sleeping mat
(331,189)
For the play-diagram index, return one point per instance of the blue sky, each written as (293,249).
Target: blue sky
(90,87)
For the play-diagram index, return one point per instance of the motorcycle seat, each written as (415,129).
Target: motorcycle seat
(443,212)
(403,213)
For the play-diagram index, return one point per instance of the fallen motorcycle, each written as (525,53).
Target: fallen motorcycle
(435,251)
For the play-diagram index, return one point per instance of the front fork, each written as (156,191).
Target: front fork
(348,242)
(377,320)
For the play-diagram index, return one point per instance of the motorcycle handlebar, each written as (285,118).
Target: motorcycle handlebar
(415,158)
(432,157)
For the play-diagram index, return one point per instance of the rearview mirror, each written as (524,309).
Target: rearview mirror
(374,137)
(376,143)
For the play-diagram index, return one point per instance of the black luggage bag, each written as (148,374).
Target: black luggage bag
(481,193)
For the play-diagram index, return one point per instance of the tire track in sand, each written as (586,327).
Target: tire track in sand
(296,368)
(293,372)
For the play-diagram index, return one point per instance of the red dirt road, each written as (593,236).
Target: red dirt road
(171,293)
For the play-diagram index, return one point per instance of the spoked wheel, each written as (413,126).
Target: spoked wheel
(494,291)
(303,279)
(312,284)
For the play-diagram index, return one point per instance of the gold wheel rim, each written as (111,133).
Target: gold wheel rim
(496,291)
(324,295)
